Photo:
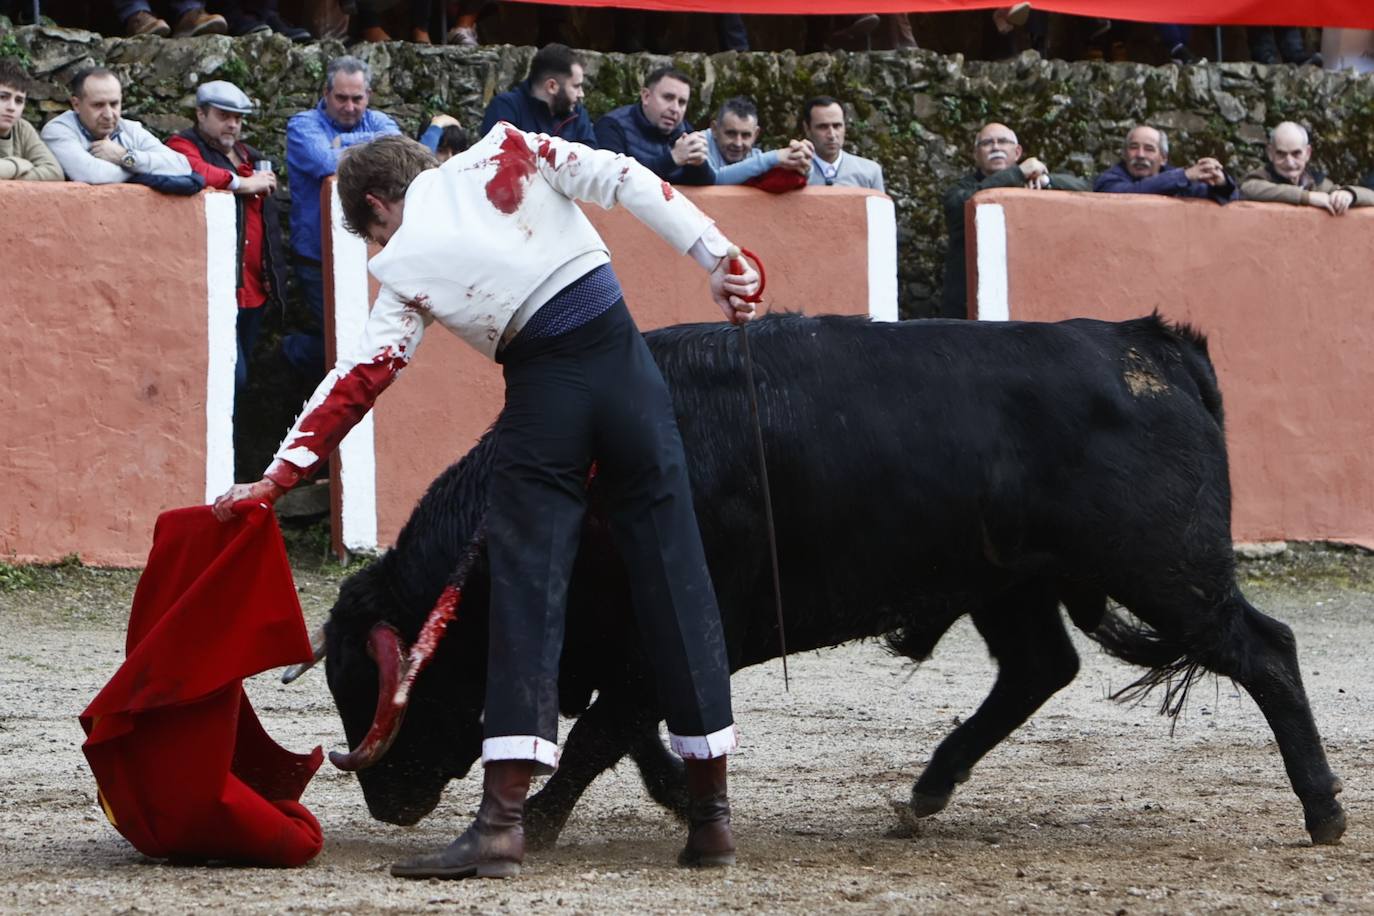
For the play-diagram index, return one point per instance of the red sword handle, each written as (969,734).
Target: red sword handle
(736,255)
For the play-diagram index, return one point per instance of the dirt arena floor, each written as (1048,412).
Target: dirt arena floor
(1091,807)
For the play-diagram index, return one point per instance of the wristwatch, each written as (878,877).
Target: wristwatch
(128,160)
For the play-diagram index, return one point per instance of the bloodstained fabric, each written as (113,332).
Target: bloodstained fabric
(183,768)
(1350,14)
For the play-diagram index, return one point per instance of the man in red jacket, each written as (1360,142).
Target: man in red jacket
(225,162)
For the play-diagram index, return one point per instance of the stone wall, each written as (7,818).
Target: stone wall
(914,111)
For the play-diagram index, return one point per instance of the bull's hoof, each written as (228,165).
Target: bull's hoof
(1329,831)
(923,805)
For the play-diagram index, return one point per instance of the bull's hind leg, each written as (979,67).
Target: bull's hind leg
(1260,654)
(1035,658)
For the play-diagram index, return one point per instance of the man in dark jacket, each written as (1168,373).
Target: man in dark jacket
(225,162)
(1144,169)
(655,131)
(997,157)
(549,101)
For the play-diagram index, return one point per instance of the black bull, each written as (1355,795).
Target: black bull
(920,471)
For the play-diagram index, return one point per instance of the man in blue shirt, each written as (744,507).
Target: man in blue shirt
(730,146)
(314,140)
(1144,169)
(549,101)
(655,132)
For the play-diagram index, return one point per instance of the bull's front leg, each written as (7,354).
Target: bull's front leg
(598,740)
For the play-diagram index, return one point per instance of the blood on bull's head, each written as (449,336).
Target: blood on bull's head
(404,754)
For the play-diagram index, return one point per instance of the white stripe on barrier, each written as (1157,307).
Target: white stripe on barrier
(882,259)
(990,224)
(221,280)
(357,455)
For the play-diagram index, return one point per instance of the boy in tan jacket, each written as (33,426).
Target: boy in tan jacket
(22,154)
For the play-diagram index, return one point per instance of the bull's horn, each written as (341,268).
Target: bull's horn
(384,644)
(317,653)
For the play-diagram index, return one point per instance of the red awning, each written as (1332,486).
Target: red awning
(1350,14)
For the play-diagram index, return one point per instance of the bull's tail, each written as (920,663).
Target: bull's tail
(1172,666)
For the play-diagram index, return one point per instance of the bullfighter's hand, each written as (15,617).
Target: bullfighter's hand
(1319,199)
(1339,201)
(268,491)
(108,150)
(729,291)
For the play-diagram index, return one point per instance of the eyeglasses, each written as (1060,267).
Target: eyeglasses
(990,142)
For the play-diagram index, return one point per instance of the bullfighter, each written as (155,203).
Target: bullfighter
(493,247)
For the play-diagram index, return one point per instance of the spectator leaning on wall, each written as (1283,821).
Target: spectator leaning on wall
(218,155)
(314,141)
(96,145)
(444,137)
(822,121)
(730,146)
(1144,169)
(1288,178)
(22,154)
(997,164)
(655,132)
(549,101)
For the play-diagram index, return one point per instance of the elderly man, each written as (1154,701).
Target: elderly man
(822,122)
(730,146)
(314,141)
(23,156)
(1288,178)
(217,154)
(997,164)
(1144,169)
(95,145)
(525,279)
(655,132)
(549,101)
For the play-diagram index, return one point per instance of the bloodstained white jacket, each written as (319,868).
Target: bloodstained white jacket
(491,233)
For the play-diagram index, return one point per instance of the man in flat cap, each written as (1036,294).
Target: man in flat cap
(218,154)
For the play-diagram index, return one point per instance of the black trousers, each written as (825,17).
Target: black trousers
(594,393)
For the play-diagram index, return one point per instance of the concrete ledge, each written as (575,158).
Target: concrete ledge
(1282,293)
(119,376)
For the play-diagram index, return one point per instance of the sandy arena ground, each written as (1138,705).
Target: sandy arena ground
(1091,807)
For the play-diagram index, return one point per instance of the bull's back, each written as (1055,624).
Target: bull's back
(967,453)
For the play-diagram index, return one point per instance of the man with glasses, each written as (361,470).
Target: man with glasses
(997,164)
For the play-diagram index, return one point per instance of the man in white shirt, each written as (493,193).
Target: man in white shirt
(493,247)
(822,121)
(94,144)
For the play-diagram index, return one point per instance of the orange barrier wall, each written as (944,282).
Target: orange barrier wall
(1282,294)
(109,411)
(825,249)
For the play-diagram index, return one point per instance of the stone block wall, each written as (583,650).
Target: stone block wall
(914,111)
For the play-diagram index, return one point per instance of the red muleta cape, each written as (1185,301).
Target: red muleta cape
(183,768)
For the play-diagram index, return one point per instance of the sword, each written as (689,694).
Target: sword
(734,253)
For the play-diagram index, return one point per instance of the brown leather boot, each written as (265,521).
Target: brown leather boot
(145,23)
(710,843)
(198,22)
(494,846)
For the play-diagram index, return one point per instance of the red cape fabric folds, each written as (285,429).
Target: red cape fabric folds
(1349,14)
(183,767)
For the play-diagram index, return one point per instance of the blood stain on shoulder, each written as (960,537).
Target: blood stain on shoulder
(515,163)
